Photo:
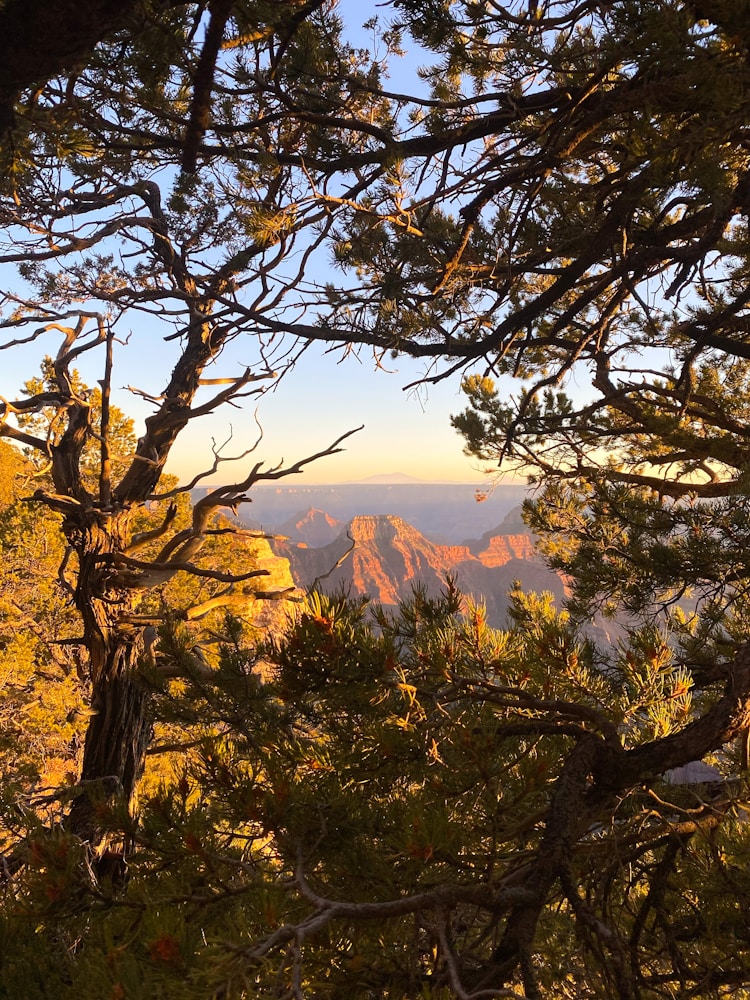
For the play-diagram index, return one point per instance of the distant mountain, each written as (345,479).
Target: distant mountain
(389,557)
(311,527)
(512,524)
(447,512)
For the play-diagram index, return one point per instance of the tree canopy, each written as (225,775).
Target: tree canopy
(561,198)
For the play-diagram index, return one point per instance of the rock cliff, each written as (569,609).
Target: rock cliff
(270,616)
(388,557)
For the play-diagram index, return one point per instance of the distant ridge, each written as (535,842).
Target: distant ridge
(312,527)
(402,479)
(390,479)
(444,512)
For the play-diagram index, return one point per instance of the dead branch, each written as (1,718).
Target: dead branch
(144,537)
(159,572)
(336,565)
(228,496)
(105,472)
(231,599)
(218,459)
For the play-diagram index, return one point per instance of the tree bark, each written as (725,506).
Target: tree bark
(117,738)
(119,727)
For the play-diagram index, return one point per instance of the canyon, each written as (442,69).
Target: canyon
(384,557)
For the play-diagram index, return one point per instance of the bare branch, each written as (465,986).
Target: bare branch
(159,572)
(144,537)
(240,601)
(336,565)
(105,473)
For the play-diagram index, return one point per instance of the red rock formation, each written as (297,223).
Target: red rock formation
(503,548)
(390,556)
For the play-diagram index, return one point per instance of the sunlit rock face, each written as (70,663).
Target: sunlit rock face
(501,549)
(266,614)
(389,557)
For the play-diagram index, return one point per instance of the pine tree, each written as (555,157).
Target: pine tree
(406,804)
(563,199)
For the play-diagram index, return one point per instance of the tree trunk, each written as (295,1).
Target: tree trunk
(119,727)
(117,738)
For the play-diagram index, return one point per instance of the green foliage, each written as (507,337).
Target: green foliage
(620,508)
(564,201)
(46,424)
(41,697)
(357,806)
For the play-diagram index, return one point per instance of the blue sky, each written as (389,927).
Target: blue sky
(404,431)
(321,398)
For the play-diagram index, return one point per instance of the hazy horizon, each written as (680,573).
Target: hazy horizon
(443,512)
(487,484)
